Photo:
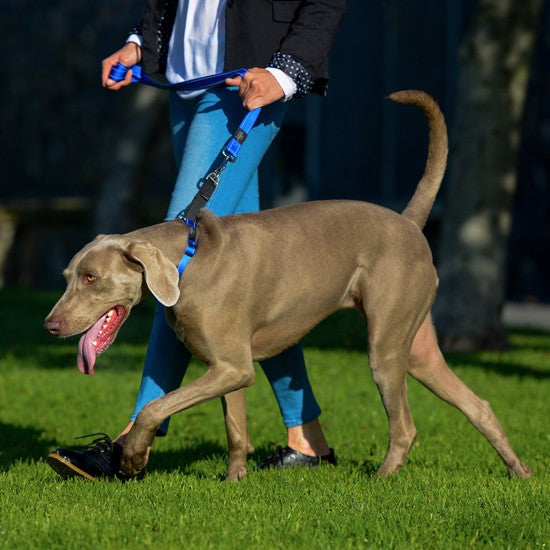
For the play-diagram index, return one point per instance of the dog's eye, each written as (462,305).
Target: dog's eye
(88,278)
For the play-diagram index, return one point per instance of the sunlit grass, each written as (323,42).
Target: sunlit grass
(453,492)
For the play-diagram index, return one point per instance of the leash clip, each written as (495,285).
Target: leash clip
(229,157)
(214,176)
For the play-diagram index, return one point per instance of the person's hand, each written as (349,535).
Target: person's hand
(129,55)
(257,88)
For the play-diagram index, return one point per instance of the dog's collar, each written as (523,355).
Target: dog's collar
(191,244)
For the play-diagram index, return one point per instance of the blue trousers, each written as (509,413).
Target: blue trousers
(200,129)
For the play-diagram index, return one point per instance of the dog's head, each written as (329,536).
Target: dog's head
(104,281)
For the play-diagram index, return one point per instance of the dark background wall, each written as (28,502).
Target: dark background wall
(60,129)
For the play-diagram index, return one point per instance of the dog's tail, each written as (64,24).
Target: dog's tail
(422,201)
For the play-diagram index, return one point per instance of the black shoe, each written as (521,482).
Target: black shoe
(284,458)
(98,459)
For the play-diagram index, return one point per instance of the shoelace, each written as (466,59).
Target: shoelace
(102,444)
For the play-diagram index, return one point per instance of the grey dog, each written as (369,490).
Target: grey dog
(259,282)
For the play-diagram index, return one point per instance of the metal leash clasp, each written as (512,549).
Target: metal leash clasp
(214,176)
(228,157)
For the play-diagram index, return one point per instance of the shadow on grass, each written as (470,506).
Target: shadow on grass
(533,346)
(22,444)
(62,355)
(22,316)
(503,369)
(45,357)
(198,451)
(533,339)
(182,459)
(366,467)
(345,329)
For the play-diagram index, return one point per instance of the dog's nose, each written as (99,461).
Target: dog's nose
(52,325)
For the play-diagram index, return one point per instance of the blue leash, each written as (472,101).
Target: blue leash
(230,151)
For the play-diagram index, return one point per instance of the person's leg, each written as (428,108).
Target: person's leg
(289,381)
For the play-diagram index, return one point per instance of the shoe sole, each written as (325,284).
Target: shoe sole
(65,468)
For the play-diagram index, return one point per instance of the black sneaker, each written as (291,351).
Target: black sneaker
(287,457)
(98,459)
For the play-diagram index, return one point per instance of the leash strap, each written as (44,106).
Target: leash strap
(118,73)
(203,195)
(230,151)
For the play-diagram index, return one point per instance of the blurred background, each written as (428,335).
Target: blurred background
(77,160)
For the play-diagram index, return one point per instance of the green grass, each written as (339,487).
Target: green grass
(453,491)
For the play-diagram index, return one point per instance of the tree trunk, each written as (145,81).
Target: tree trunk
(7,236)
(494,62)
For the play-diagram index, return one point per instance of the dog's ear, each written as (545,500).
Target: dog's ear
(161,275)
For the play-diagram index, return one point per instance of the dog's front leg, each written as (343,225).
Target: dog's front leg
(234,411)
(221,378)
(137,442)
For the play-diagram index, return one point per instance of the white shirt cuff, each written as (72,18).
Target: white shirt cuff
(285,82)
(136,39)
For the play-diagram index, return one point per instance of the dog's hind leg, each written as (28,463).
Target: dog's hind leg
(390,377)
(394,313)
(428,366)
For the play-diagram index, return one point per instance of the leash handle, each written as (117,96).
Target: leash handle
(118,73)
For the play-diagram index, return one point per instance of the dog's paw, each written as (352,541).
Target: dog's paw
(236,473)
(520,471)
(131,464)
(135,451)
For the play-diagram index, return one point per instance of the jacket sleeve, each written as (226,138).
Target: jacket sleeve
(312,32)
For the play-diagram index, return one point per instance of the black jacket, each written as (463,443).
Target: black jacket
(255,30)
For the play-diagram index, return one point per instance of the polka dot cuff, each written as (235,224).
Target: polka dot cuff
(286,63)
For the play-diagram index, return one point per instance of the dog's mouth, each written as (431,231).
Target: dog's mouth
(98,338)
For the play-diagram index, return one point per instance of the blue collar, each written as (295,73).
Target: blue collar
(191,244)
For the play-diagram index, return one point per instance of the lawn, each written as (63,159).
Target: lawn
(453,491)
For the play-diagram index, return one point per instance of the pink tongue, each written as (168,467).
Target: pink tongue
(87,353)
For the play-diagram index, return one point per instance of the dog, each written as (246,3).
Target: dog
(259,282)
